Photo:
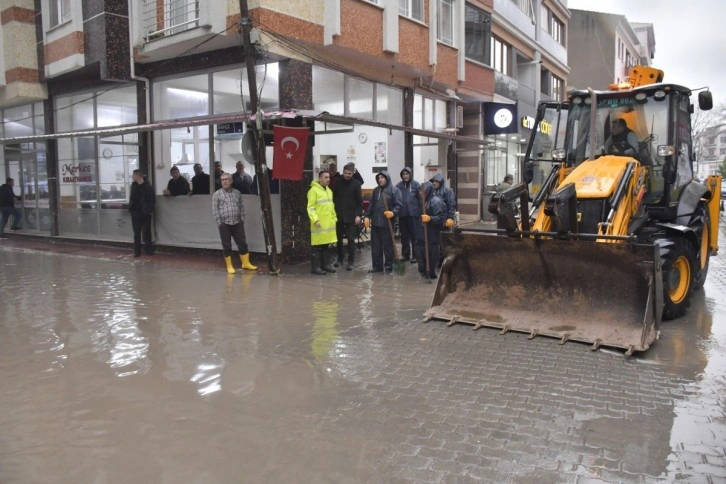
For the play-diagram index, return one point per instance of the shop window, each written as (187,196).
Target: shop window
(478,34)
(184,97)
(359,98)
(116,107)
(389,104)
(328,90)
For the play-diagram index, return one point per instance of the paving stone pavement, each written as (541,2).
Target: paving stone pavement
(453,405)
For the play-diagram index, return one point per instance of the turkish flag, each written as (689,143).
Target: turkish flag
(290,147)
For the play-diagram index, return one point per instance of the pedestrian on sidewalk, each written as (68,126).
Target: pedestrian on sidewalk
(229,214)
(348,201)
(321,211)
(142,201)
(7,207)
(409,218)
(377,218)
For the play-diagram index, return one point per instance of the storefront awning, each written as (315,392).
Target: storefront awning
(321,116)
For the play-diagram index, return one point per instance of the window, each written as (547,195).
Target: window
(167,17)
(556,28)
(525,6)
(500,56)
(711,140)
(446,21)
(722,139)
(722,151)
(411,9)
(556,91)
(60,11)
(478,34)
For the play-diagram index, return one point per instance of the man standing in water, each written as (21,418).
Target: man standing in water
(230,215)
(142,201)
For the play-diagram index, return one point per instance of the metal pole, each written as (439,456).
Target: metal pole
(260,161)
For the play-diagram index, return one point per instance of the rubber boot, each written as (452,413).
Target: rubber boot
(326,263)
(246,264)
(315,262)
(230,267)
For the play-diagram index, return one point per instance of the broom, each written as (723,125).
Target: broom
(426,234)
(398,265)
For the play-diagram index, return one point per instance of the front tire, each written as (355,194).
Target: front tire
(702,226)
(677,263)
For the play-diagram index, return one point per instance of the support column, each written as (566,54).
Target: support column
(296,92)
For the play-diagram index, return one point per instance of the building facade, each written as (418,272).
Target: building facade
(603,47)
(95,89)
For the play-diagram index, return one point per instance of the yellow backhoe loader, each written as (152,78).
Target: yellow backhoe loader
(609,232)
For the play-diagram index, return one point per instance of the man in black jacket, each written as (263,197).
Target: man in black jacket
(348,201)
(200,181)
(141,206)
(7,207)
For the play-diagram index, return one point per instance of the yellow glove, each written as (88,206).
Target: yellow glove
(425,218)
(449,223)
(388,214)
(367,222)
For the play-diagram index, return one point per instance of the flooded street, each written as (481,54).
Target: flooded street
(141,371)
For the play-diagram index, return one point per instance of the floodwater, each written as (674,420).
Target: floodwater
(139,371)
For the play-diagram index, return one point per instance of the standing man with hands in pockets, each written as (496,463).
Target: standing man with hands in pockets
(230,217)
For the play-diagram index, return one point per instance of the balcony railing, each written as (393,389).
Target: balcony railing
(167,17)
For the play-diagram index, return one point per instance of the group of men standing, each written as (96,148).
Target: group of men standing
(335,208)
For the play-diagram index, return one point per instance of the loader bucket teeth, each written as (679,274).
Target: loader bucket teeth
(604,294)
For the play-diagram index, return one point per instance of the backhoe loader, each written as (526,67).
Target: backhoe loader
(608,233)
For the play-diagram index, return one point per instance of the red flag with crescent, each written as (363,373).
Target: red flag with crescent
(291,144)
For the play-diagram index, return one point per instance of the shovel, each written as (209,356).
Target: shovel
(399,266)
(426,234)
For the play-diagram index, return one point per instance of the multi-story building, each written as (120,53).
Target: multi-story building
(710,151)
(93,90)
(603,47)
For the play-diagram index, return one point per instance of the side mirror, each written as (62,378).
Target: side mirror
(705,100)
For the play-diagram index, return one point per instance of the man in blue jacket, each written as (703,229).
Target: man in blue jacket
(409,218)
(377,217)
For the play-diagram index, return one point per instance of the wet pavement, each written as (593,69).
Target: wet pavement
(165,370)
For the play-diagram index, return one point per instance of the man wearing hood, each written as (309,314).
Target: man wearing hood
(433,222)
(385,204)
(409,218)
(322,223)
(348,201)
(447,195)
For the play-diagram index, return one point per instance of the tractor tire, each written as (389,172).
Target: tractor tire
(677,263)
(702,226)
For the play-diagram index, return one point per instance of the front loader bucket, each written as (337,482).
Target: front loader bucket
(606,294)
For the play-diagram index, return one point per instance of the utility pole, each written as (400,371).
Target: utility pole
(256,127)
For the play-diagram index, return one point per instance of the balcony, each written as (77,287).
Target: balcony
(162,18)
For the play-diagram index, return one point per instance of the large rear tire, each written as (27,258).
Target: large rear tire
(702,226)
(677,263)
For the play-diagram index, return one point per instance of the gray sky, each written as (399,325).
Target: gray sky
(690,37)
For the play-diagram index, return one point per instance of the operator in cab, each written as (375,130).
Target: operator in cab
(622,140)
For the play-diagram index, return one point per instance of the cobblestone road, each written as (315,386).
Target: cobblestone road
(163,370)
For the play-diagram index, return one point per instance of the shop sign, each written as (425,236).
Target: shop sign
(500,118)
(544,126)
(80,173)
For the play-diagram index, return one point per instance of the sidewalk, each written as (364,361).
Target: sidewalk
(197,259)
